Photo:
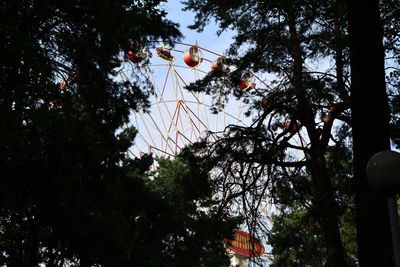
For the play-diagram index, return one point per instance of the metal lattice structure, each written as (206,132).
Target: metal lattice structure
(177,117)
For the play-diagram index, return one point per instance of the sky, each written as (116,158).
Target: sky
(162,132)
(207,38)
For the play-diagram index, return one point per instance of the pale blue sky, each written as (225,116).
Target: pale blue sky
(207,39)
(159,130)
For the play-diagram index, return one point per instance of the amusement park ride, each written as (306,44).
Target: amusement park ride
(178,117)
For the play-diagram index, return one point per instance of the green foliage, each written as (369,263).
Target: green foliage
(296,240)
(68,195)
(196,229)
(300,49)
(296,237)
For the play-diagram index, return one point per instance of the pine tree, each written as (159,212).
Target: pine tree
(68,194)
(368,86)
(289,41)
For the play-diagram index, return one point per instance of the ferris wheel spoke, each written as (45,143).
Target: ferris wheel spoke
(148,131)
(165,82)
(240,111)
(162,151)
(179,111)
(180,77)
(194,114)
(175,144)
(173,117)
(158,129)
(187,139)
(185,108)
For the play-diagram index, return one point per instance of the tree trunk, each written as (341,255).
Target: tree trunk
(338,48)
(326,210)
(370,117)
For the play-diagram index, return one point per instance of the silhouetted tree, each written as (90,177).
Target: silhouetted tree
(299,114)
(68,193)
(370,127)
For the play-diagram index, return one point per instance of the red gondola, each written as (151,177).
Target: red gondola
(245,85)
(193,56)
(247,82)
(164,53)
(219,65)
(136,57)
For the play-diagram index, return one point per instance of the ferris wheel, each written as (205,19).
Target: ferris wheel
(178,117)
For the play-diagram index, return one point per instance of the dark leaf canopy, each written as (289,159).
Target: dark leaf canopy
(68,194)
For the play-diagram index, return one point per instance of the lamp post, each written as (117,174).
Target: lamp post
(383,173)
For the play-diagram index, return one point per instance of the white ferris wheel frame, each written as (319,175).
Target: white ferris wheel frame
(178,117)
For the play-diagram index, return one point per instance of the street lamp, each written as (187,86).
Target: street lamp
(383,173)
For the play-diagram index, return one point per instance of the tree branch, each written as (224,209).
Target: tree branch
(334,111)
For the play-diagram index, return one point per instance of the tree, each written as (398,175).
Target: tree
(296,237)
(196,228)
(390,11)
(68,194)
(289,40)
(368,86)
(59,112)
